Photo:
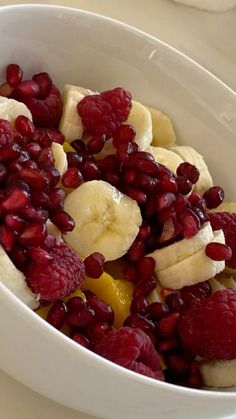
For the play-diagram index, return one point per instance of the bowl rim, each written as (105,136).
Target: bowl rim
(38,321)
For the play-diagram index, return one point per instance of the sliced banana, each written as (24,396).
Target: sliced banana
(225,206)
(227,282)
(10,109)
(53,230)
(14,280)
(178,251)
(70,124)
(162,129)
(167,157)
(60,158)
(106,220)
(219,373)
(193,269)
(190,155)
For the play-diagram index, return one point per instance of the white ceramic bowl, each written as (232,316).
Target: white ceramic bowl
(93,51)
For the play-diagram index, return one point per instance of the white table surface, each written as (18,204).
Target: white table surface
(207,37)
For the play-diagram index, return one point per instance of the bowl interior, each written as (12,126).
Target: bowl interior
(81,48)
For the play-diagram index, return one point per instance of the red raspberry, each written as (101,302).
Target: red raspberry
(102,114)
(227,222)
(208,328)
(63,275)
(132,349)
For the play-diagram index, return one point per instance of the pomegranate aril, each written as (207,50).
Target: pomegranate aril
(39,198)
(196,199)
(218,251)
(195,380)
(44,82)
(103,311)
(194,293)
(146,183)
(72,178)
(125,151)
(45,158)
(167,184)
(164,201)
(39,255)
(167,326)
(181,203)
(27,89)
(74,160)
(55,198)
(184,185)
(24,125)
(214,196)
(89,295)
(19,256)
(30,164)
(56,135)
(7,238)
(144,231)
(9,152)
(14,75)
(129,176)
(144,287)
(15,167)
(94,265)
(75,304)
(80,339)
(98,330)
(80,319)
(123,135)
(176,363)
(79,146)
(53,176)
(148,167)
(146,267)
(158,310)
(190,222)
(109,163)
(96,144)
(16,200)
(63,221)
(49,242)
(175,302)
(34,234)
(137,321)
(24,157)
(136,251)
(201,214)
(90,171)
(139,305)
(167,345)
(34,178)
(113,178)
(3,173)
(28,212)
(14,222)
(41,215)
(166,215)
(57,313)
(130,274)
(189,171)
(134,193)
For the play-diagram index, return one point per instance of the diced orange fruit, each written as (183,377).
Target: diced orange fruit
(116,292)
(67,147)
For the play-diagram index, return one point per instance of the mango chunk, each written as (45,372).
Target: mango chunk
(67,147)
(116,292)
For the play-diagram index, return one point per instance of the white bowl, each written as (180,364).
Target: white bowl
(93,51)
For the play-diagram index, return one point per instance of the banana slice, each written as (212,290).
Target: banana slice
(106,220)
(178,251)
(225,206)
(227,282)
(162,129)
(193,269)
(10,109)
(60,158)
(219,373)
(166,157)
(53,230)
(70,124)
(216,285)
(14,280)
(190,155)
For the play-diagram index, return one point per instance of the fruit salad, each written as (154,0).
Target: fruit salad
(114,233)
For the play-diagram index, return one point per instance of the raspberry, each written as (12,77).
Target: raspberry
(102,114)
(63,275)
(227,222)
(208,328)
(132,349)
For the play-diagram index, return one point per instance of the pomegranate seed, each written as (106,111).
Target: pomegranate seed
(146,267)
(134,193)
(167,345)
(103,311)
(89,295)
(56,197)
(74,160)
(140,322)
(136,251)
(167,184)
(7,238)
(9,152)
(34,178)
(40,255)
(49,242)
(150,208)
(166,215)
(123,135)
(18,256)
(24,157)
(184,185)
(57,313)
(39,198)
(98,330)
(113,178)
(139,305)
(214,196)
(45,158)
(193,293)
(218,251)
(125,151)
(130,176)
(143,288)
(72,178)
(41,215)
(195,380)
(164,201)
(16,200)
(80,339)
(195,199)
(80,319)
(191,223)
(63,221)
(14,74)
(28,212)
(146,183)
(24,125)
(144,231)
(44,82)
(130,274)
(181,203)
(96,144)
(158,310)
(3,173)
(94,265)
(27,89)
(53,176)
(109,163)
(90,171)
(30,164)
(189,171)
(14,222)
(167,326)
(75,304)
(176,363)
(148,167)
(79,146)
(6,90)
(33,235)
(168,232)
(175,302)
(200,214)
(15,167)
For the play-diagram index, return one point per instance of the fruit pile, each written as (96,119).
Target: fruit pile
(113,233)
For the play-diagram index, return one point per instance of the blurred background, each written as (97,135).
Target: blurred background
(207,37)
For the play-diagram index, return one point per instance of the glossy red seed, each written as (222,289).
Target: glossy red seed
(167,326)
(144,287)
(27,89)
(214,196)
(49,242)
(184,185)
(136,251)
(40,255)
(79,146)
(75,304)
(24,125)
(139,305)
(181,203)
(123,135)
(191,223)
(90,171)
(55,198)
(3,173)
(218,251)
(98,330)
(164,201)
(144,231)
(113,178)
(146,183)
(140,322)
(14,222)
(134,193)
(16,200)
(201,214)
(130,274)
(34,234)
(39,199)
(167,184)
(103,311)
(94,265)
(53,176)
(30,164)
(89,295)
(96,144)
(158,310)
(167,345)
(7,238)
(28,212)
(57,313)
(46,158)
(19,256)
(189,171)
(129,176)
(80,339)
(74,160)
(125,151)
(44,82)
(148,167)
(176,363)
(63,221)
(175,302)
(34,178)
(9,152)
(14,74)
(80,319)
(109,163)
(72,178)
(146,267)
